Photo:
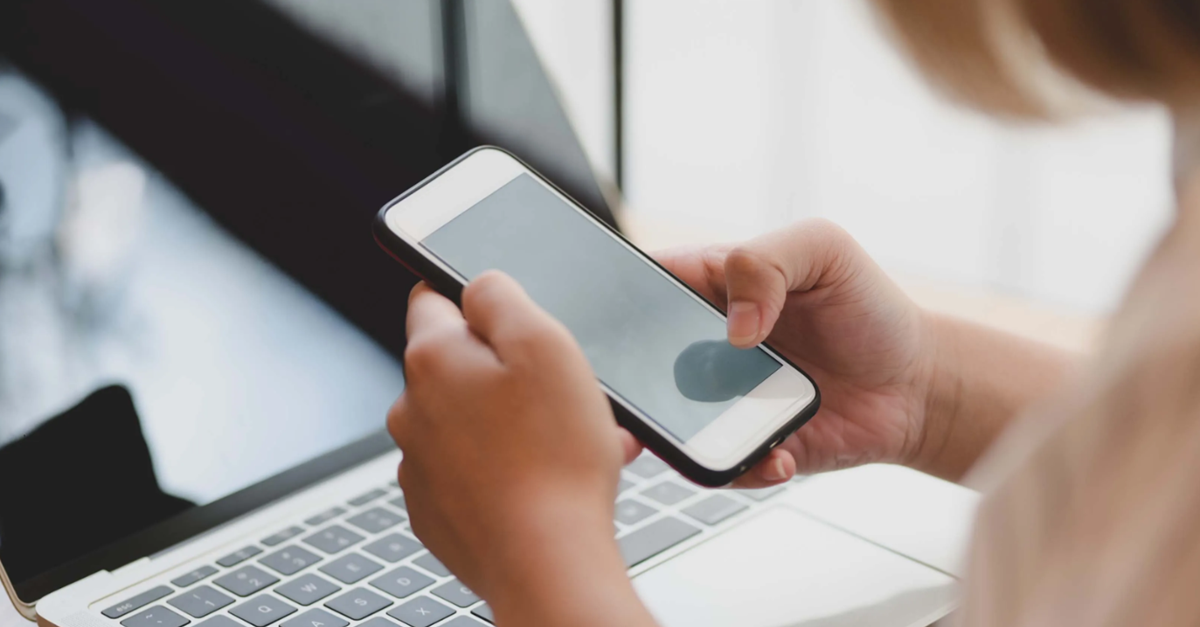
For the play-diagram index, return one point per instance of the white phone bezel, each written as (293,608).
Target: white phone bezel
(749,422)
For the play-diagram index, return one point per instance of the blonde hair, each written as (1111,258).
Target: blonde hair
(1014,57)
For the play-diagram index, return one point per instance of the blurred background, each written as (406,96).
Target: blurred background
(740,117)
(185,192)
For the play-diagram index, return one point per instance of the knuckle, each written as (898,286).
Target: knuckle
(822,230)
(746,259)
(425,354)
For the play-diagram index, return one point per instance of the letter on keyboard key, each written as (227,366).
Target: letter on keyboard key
(358,603)
(653,539)
(402,582)
(263,610)
(246,580)
(290,560)
(200,602)
(421,612)
(457,593)
(375,520)
(315,617)
(188,579)
(137,602)
(393,547)
(157,616)
(307,589)
(351,568)
(333,539)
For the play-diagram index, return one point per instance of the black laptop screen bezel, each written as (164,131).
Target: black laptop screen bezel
(198,520)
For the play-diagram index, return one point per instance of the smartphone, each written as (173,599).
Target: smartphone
(658,348)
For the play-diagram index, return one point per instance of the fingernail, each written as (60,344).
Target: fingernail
(775,471)
(744,321)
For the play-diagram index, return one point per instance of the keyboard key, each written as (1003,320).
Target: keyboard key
(307,589)
(283,536)
(157,616)
(464,621)
(361,500)
(421,612)
(375,520)
(393,548)
(624,485)
(431,564)
(351,568)
(239,556)
(290,560)
(246,580)
(485,612)
(315,617)
(714,509)
(668,493)
(647,466)
(378,621)
(402,582)
(325,516)
(137,602)
(632,512)
(263,610)
(457,593)
(763,494)
(653,539)
(188,579)
(333,539)
(220,620)
(399,502)
(200,602)
(358,603)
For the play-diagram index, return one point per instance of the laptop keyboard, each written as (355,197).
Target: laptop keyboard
(359,564)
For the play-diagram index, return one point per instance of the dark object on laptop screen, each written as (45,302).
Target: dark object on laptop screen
(289,123)
(65,513)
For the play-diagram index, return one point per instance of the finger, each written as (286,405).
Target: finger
(629,445)
(701,267)
(499,311)
(397,421)
(439,340)
(762,272)
(777,467)
(429,312)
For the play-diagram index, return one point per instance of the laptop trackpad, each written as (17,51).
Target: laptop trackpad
(783,568)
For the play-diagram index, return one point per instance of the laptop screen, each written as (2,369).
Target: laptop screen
(194,320)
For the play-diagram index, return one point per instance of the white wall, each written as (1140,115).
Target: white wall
(745,115)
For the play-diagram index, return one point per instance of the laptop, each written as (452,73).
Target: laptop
(204,444)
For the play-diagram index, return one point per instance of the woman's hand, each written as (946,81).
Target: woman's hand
(512,457)
(817,298)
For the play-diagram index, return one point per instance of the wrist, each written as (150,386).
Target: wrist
(941,394)
(571,575)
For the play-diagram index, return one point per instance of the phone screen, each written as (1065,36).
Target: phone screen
(648,340)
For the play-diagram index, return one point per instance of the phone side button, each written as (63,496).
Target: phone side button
(657,537)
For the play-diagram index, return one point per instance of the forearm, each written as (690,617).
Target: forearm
(566,570)
(981,379)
